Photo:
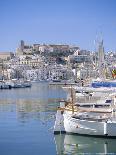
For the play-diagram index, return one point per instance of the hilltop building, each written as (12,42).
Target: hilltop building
(6,55)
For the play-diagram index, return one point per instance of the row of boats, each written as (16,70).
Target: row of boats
(14,83)
(96,116)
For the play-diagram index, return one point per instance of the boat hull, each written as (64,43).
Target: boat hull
(85,127)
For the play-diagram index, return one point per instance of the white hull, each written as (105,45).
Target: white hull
(86,127)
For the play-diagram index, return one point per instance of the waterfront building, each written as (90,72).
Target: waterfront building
(36,74)
(60,72)
(86,73)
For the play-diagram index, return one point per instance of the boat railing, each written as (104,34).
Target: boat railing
(91,118)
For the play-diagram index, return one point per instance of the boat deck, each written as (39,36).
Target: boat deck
(99,119)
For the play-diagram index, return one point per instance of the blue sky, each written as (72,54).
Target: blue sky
(75,22)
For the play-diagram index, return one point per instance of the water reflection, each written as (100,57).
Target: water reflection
(73,144)
(26,119)
(31,103)
(42,110)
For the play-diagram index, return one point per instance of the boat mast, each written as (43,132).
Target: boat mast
(2,70)
(72,100)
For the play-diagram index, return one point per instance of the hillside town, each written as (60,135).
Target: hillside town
(43,62)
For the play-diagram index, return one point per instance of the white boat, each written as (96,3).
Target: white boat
(93,121)
(15,83)
(26,83)
(88,124)
(4,85)
(20,83)
(81,93)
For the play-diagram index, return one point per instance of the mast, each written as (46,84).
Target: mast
(2,70)
(72,100)
(95,57)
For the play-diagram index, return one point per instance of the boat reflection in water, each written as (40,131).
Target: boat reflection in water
(73,144)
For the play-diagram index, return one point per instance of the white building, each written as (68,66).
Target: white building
(86,73)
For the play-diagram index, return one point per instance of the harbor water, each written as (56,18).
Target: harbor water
(27,117)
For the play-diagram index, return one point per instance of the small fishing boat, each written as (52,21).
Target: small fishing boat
(99,121)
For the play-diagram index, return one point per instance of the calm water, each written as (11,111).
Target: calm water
(26,125)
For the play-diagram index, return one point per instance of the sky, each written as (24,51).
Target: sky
(73,22)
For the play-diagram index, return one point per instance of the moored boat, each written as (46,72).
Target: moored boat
(93,121)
